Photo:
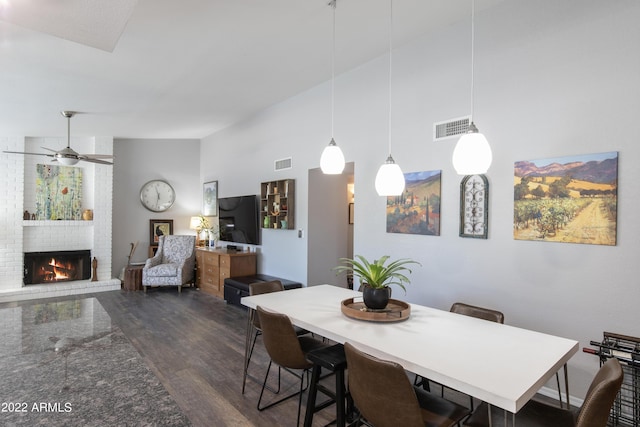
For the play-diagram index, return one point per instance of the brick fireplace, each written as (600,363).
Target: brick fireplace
(17,186)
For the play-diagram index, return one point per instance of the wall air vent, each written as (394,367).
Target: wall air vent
(450,128)
(282,164)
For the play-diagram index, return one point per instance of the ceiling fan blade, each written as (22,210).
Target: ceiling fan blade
(49,149)
(96,156)
(92,160)
(32,154)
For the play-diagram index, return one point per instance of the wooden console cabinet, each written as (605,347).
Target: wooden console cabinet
(215,265)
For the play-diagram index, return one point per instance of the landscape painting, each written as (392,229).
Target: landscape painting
(58,192)
(417,210)
(567,199)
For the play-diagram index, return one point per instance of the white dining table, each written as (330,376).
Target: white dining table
(498,364)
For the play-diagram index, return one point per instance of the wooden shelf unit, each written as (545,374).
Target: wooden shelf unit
(215,265)
(277,203)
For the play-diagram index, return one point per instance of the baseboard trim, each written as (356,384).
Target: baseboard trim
(552,393)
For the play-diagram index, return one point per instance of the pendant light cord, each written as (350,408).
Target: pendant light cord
(390,65)
(333,65)
(473,32)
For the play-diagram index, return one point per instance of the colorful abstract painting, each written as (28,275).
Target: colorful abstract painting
(567,199)
(417,210)
(58,192)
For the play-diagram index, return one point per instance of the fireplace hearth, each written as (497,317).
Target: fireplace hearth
(56,266)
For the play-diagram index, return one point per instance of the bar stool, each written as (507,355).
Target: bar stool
(334,360)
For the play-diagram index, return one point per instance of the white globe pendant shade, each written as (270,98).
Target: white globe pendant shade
(332,159)
(389,179)
(472,155)
(67,161)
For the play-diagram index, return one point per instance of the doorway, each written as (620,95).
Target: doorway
(330,227)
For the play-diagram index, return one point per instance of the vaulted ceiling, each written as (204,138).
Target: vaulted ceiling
(185,69)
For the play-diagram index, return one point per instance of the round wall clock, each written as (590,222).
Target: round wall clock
(157,195)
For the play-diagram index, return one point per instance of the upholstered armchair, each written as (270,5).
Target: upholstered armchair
(172,264)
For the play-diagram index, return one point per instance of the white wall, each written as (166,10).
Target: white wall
(139,161)
(552,79)
(11,209)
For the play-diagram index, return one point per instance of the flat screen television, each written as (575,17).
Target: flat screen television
(238,219)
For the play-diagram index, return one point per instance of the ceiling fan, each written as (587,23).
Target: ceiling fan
(68,156)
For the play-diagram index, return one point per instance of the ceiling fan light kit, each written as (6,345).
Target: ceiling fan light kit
(68,156)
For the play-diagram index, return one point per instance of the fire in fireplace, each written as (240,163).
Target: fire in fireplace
(58,266)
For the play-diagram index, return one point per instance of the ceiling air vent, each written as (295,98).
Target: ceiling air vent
(450,128)
(282,164)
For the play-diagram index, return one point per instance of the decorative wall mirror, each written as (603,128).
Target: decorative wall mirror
(474,206)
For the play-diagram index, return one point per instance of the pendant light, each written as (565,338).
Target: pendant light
(472,155)
(332,159)
(390,179)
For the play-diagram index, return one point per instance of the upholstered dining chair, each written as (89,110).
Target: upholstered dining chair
(594,411)
(173,263)
(383,394)
(287,350)
(254,329)
(471,311)
(477,312)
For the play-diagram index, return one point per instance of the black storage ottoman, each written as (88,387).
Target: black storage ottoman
(237,287)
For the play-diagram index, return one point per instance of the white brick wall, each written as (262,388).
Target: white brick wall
(17,187)
(11,208)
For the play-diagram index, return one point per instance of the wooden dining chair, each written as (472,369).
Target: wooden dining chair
(383,394)
(287,350)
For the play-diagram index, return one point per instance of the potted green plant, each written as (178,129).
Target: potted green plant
(376,277)
(212,232)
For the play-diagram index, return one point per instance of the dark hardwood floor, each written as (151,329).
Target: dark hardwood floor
(194,343)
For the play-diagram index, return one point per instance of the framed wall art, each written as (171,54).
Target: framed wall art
(58,192)
(571,199)
(210,198)
(417,209)
(474,206)
(159,227)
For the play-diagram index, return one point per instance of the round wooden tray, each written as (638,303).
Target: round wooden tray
(396,311)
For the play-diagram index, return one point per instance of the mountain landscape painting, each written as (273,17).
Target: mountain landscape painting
(567,199)
(417,209)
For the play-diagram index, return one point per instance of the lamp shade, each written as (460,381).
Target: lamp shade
(389,179)
(472,155)
(332,159)
(195,224)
